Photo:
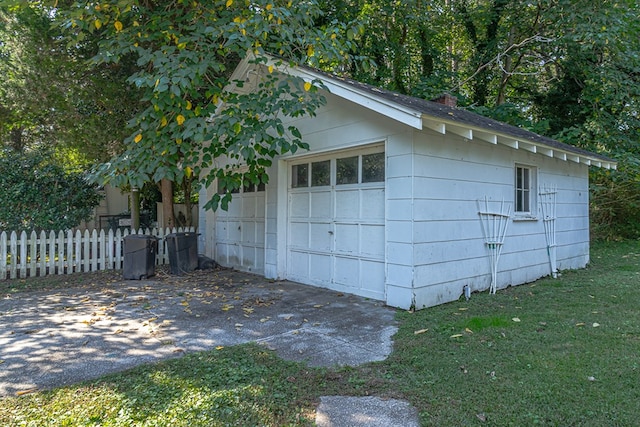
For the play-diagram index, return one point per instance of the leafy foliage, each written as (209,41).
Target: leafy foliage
(37,194)
(185,53)
(50,96)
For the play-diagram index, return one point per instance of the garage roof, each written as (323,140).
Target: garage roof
(420,114)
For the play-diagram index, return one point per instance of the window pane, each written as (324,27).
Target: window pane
(300,175)
(249,188)
(347,170)
(261,186)
(320,173)
(373,167)
(523,190)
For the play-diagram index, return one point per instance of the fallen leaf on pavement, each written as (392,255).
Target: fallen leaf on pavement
(420,331)
(516,319)
(456,336)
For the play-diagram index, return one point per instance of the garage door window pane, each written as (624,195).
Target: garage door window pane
(347,170)
(373,167)
(320,173)
(300,175)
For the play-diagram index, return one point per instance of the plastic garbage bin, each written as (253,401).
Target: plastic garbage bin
(183,252)
(139,256)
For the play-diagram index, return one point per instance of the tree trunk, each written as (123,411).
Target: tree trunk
(187,188)
(166,189)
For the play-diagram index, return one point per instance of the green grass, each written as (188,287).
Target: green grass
(560,351)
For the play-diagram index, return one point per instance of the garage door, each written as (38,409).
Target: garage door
(239,231)
(336,236)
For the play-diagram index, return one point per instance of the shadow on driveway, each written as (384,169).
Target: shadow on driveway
(62,336)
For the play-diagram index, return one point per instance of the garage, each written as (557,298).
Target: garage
(336,215)
(239,231)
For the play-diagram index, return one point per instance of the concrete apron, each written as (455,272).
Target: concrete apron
(55,338)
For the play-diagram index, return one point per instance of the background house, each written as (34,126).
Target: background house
(385,204)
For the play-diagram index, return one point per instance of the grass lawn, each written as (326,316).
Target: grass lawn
(560,351)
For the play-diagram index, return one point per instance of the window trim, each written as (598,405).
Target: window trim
(333,157)
(520,193)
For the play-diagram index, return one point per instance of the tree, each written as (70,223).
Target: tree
(37,194)
(50,96)
(185,53)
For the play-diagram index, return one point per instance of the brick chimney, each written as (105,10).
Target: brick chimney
(446,99)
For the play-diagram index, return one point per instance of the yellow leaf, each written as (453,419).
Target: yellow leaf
(333,36)
(516,319)
(270,69)
(229,3)
(179,141)
(227,307)
(118,25)
(98,24)
(467,330)
(188,172)
(138,138)
(456,336)
(307,86)
(180,119)
(220,347)
(243,31)
(279,21)
(310,50)
(189,105)
(136,24)
(163,121)
(420,331)
(269,6)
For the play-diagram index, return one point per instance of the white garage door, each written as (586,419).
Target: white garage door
(336,236)
(239,231)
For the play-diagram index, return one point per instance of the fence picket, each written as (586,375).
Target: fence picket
(3,255)
(13,248)
(78,246)
(43,254)
(23,254)
(68,261)
(60,252)
(33,254)
(101,251)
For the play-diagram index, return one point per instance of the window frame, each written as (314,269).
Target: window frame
(333,158)
(525,191)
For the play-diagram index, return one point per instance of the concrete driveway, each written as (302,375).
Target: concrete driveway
(62,336)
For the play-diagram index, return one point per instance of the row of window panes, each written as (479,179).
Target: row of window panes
(349,170)
(251,188)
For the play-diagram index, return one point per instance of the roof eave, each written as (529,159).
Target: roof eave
(485,135)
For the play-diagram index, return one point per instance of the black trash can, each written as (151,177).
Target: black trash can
(139,256)
(183,252)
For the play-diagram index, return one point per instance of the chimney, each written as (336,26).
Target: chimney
(446,99)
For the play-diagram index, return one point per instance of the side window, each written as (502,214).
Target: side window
(525,184)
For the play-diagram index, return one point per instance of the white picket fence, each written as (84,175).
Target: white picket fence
(28,255)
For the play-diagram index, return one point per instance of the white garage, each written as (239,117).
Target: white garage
(385,203)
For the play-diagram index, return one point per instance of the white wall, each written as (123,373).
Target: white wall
(450,175)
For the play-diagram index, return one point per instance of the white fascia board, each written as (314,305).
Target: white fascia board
(367,100)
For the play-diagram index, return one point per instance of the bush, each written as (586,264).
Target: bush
(36,194)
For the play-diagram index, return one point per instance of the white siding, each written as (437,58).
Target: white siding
(451,174)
